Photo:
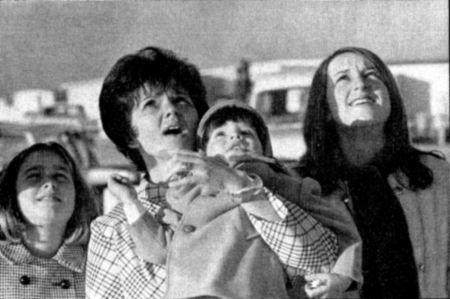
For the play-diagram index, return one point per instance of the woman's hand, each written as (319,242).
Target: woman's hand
(212,172)
(122,188)
(326,285)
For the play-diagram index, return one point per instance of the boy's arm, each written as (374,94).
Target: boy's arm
(301,242)
(330,211)
(333,214)
(254,201)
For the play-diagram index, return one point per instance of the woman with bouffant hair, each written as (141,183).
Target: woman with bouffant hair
(45,213)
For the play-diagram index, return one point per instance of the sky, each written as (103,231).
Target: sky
(46,43)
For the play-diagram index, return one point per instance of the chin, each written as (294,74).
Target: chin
(235,154)
(365,122)
(180,144)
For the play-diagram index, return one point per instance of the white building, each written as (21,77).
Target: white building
(85,93)
(32,100)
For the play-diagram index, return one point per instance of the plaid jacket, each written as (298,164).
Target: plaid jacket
(23,275)
(115,271)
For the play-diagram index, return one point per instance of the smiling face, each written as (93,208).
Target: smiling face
(234,138)
(164,119)
(45,189)
(356,95)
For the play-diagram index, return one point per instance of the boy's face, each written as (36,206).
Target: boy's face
(233,139)
(164,119)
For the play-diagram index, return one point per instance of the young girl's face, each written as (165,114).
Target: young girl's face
(45,189)
(233,139)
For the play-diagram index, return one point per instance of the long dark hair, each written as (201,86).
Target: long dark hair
(323,158)
(12,222)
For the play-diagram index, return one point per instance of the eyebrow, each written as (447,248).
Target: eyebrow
(218,129)
(63,168)
(40,167)
(343,71)
(32,168)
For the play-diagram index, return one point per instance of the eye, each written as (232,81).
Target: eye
(247,133)
(33,176)
(61,177)
(219,134)
(150,103)
(342,78)
(372,74)
(182,100)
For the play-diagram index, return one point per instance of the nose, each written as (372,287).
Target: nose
(236,135)
(359,82)
(168,107)
(49,185)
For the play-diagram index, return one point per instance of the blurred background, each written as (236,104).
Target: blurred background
(54,56)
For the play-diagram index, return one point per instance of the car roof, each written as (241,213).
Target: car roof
(40,132)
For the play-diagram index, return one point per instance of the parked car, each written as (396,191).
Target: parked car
(279,92)
(15,137)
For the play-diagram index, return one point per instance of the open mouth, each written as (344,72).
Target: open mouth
(238,147)
(173,130)
(361,101)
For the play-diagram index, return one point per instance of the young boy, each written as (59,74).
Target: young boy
(235,132)
(346,274)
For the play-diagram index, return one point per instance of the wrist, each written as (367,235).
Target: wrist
(133,212)
(253,187)
(129,200)
(240,181)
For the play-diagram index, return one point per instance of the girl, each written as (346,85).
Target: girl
(45,212)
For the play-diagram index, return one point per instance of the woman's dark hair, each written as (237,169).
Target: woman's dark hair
(323,156)
(149,67)
(12,222)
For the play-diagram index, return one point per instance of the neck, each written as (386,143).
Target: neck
(158,172)
(157,168)
(158,165)
(361,144)
(44,241)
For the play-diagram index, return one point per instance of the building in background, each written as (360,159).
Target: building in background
(279,90)
(425,90)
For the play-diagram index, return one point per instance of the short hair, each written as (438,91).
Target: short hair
(233,113)
(321,135)
(152,67)
(12,222)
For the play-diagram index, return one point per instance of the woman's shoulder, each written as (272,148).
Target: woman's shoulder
(436,164)
(115,218)
(440,169)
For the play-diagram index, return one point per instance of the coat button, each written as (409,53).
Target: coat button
(24,280)
(188,228)
(421,267)
(65,284)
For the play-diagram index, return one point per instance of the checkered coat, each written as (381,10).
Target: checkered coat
(23,275)
(116,271)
